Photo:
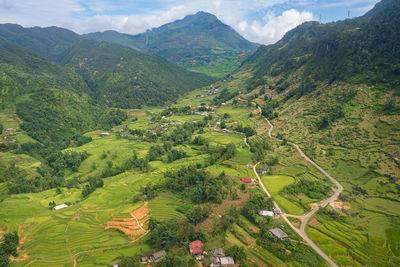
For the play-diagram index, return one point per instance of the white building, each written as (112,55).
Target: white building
(59,207)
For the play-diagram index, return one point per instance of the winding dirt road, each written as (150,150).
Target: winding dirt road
(306,217)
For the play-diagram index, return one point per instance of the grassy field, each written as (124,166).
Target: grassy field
(274,184)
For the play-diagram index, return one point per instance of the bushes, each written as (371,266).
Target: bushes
(198,214)
(175,155)
(332,115)
(313,189)
(184,208)
(8,246)
(197,184)
(94,183)
(256,203)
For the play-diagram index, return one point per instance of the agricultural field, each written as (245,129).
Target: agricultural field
(101,227)
(275,183)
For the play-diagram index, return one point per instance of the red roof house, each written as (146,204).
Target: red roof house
(246,180)
(196,247)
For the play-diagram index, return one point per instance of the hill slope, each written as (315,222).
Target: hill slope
(195,42)
(122,77)
(49,98)
(334,90)
(47,42)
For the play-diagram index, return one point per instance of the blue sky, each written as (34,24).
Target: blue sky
(263,21)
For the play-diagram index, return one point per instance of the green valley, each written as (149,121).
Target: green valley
(287,157)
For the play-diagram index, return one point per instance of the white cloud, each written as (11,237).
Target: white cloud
(274,27)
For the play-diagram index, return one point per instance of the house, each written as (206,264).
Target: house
(246,180)
(104,134)
(196,247)
(277,232)
(218,252)
(266,213)
(10,130)
(158,255)
(144,260)
(227,261)
(249,166)
(59,207)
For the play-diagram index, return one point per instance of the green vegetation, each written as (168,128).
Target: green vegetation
(276,184)
(218,48)
(176,172)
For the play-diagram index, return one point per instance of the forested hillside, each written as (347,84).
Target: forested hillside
(47,42)
(361,50)
(49,97)
(199,42)
(122,77)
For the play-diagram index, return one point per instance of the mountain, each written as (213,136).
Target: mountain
(47,42)
(51,100)
(122,77)
(117,75)
(198,42)
(334,89)
(350,49)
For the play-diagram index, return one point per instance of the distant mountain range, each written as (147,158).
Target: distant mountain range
(198,42)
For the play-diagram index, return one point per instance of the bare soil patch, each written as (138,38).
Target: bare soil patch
(314,222)
(136,114)
(130,226)
(340,205)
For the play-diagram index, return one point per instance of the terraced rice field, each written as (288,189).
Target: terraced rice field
(133,226)
(163,207)
(349,246)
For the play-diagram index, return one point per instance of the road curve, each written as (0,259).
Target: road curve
(306,217)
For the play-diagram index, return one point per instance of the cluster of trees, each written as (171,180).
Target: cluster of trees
(313,189)
(8,247)
(171,233)
(65,115)
(59,161)
(220,152)
(256,203)
(247,130)
(332,114)
(175,154)
(93,184)
(224,96)
(80,140)
(268,109)
(183,133)
(197,184)
(198,214)
(155,152)
(258,147)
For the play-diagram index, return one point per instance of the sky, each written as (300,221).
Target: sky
(261,21)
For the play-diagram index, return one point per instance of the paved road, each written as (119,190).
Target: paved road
(306,217)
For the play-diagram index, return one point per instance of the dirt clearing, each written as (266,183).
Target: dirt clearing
(132,227)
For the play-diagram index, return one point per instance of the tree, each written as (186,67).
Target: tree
(237,252)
